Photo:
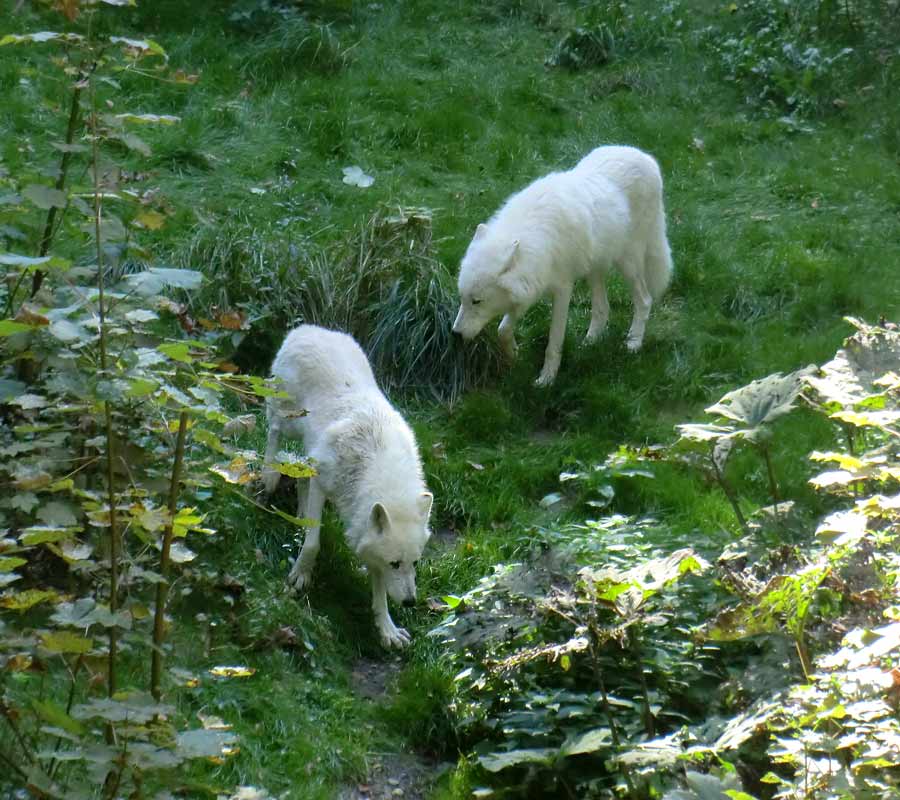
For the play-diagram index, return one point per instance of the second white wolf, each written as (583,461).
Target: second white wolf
(607,212)
(366,460)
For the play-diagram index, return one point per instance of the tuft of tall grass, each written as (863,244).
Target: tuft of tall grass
(293,47)
(381,283)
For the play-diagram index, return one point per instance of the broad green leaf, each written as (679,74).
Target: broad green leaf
(9,327)
(293,469)
(55,715)
(45,196)
(9,563)
(67,331)
(177,351)
(24,501)
(136,707)
(764,400)
(589,742)
(58,513)
(495,762)
(141,387)
(66,642)
(149,119)
(843,528)
(41,36)
(22,601)
(28,402)
(238,471)
(39,534)
(853,375)
(31,264)
(146,46)
(77,614)
(154,280)
(202,743)
(10,388)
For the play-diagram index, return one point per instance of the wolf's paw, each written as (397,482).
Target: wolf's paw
(594,333)
(633,343)
(510,349)
(392,636)
(299,579)
(546,377)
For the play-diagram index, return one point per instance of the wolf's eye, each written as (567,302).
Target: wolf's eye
(395,565)
(476,301)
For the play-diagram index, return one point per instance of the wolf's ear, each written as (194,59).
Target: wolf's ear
(379,518)
(511,258)
(425,501)
(481,230)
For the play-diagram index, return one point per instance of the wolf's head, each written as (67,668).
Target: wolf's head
(484,291)
(393,544)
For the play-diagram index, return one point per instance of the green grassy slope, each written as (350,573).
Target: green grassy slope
(776,233)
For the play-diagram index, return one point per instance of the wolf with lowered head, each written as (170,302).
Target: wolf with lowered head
(366,463)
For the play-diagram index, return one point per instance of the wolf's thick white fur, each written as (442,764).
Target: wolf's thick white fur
(366,460)
(607,212)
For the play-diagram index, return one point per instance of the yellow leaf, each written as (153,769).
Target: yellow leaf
(232,672)
(149,219)
(22,601)
(66,642)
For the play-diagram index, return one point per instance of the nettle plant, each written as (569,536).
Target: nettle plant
(109,434)
(835,733)
(567,664)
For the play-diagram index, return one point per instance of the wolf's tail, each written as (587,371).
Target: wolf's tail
(658,259)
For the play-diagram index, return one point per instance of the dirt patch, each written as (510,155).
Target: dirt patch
(394,775)
(390,775)
(371,679)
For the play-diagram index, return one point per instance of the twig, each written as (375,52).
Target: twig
(162,588)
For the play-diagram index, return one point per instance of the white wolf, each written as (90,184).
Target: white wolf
(366,460)
(606,212)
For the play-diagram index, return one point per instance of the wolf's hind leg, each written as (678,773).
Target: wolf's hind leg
(301,572)
(599,307)
(642,300)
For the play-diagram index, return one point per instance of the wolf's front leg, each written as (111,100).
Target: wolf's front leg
(507,334)
(388,632)
(301,572)
(553,355)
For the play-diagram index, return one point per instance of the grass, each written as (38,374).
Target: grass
(776,234)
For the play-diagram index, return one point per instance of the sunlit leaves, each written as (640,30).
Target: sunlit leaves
(40,37)
(232,672)
(149,119)
(154,280)
(22,601)
(65,642)
(763,401)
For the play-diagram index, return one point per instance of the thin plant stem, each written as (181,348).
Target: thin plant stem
(773,484)
(730,494)
(17,733)
(635,642)
(107,407)
(162,588)
(5,759)
(54,763)
(47,238)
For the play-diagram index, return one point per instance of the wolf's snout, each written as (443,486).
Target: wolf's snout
(409,602)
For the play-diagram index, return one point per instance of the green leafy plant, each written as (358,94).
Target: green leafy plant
(107,445)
